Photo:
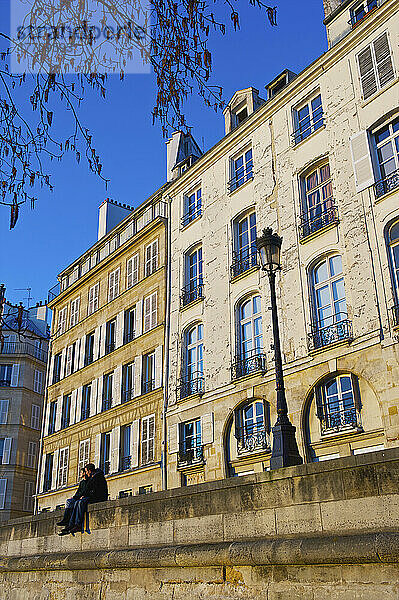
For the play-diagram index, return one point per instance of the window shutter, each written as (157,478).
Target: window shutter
(154,315)
(237,423)
(42,473)
(15,376)
(117,383)
(96,344)
(99,396)
(3,490)
(173,438)
(73,407)
(155,253)
(55,470)
(361,158)
(320,404)
(58,414)
(79,403)
(102,339)
(97,446)
(147,314)
(129,273)
(207,428)
(51,369)
(367,72)
(93,397)
(3,411)
(138,366)
(80,356)
(356,393)
(134,443)
(7,451)
(115,442)
(63,363)
(68,362)
(384,60)
(158,366)
(139,318)
(135,269)
(120,319)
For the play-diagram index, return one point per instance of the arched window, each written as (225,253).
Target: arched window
(338,404)
(193,380)
(250,357)
(251,431)
(318,207)
(245,252)
(193,289)
(387,148)
(393,243)
(330,317)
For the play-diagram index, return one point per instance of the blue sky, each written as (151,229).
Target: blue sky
(64,222)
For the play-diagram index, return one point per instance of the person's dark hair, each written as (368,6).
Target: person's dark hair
(90,467)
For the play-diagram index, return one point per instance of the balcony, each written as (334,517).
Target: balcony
(359,14)
(195,384)
(386,185)
(325,335)
(85,414)
(311,125)
(127,395)
(243,261)
(110,347)
(395,315)
(129,337)
(64,422)
(126,463)
(192,292)
(190,216)
(107,404)
(191,452)
(340,421)
(147,386)
(320,217)
(253,362)
(241,177)
(24,348)
(252,438)
(89,359)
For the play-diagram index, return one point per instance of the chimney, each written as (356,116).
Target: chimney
(110,214)
(330,6)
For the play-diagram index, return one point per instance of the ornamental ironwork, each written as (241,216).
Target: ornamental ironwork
(253,362)
(192,292)
(23,348)
(340,420)
(195,384)
(127,395)
(147,386)
(191,451)
(243,260)
(386,185)
(252,439)
(322,336)
(324,215)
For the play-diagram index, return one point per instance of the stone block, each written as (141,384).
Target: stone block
(318,487)
(359,483)
(250,524)
(302,518)
(198,529)
(360,514)
(151,534)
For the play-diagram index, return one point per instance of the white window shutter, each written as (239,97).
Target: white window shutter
(207,428)
(158,366)
(79,403)
(362,163)
(139,318)
(97,446)
(42,472)
(63,363)
(47,421)
(99,387)
(102,340)
(7,451)
(58,414)
(15,376)
(134,443)
(51,368)
(117,383)
(68,362)
(173,438)
(96,344)
(120,319)
(115,442)
(74,394)
(138,366)
(93,397)
(55,470)
(154,310)
(367,72)
(135,269)
(81,353)
(3,411)
(383,59)
(3,491)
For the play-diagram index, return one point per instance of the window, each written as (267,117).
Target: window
(329,303)
(126,457)
(393,255)
(148,375)
(62,476)
(110,336)
(147,439)
(85,409)
(84,455)
(3,411)
(57,368)
(94,293)
(190,445)
(66,411)
(192,207)
(89,348)
(150,312)
(107,391)
(193,379)
(62,320)
(308,118)
(127,382)
(151,258)
(5,375)
(245,254)
(132,271)
(359,11)
(193,289)
(52,417)
(35,417)
(113,285)
(318,207)
(74,312)
(5,450)
(48,472)
(38,381)
(241,170)
(3,489)
(250,428)
(145,489)
(31,455)
(375,66)
(338,404)
(386,142)
(105,452)
(250,357)
(28,496)
(130,324)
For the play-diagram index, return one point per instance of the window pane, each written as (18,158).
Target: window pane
(320,273)
(335,265)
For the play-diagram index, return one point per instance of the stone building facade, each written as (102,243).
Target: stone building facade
(23,356)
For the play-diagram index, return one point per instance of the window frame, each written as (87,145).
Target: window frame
(298,134)
(375,71)
(74,311)
(114,284)
(235,182)
(93,298)
(150,316)
(132,270)
(192,210)
(147,444)
(151,258)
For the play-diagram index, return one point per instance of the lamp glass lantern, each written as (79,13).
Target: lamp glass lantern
(269,248)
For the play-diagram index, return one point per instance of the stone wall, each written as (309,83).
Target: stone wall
(326,530)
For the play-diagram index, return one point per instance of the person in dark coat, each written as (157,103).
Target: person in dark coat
(70,503)
(96,491)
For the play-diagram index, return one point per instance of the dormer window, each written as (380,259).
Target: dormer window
(239,115)
(360,10)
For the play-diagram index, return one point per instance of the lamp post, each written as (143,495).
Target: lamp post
(285,451)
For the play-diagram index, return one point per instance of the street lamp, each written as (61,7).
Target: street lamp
(285,451)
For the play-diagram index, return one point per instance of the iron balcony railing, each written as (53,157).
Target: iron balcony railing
(307,128)
(395,315)
(321,216)
(252,362)
(126,463)
(358,17)
(190,451)
(23,348)
(107,404)
(386,185)
(192,292)
(127,395)
(130,335)
(54,292)
(147,386)
(89,359)
(64,422)
(5,382)
(47,483)
(85,414)
(243,260)
(252,438)
(241,176)
(51,428)
(194,384)
(339,420)
(191,215)
(110,347)
(339,329)
(105,466)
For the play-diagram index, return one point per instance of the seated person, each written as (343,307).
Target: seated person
(70,503)
(96,491)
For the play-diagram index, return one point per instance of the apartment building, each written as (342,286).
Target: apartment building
(317,160)
(23,355)
(105,397)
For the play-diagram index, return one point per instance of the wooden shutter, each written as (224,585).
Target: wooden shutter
(320,403)
(102,339)
(63,363)
(80,354)
(120,320)
(3,491)
(79,392)
(383,59)
(135,269)
(97,448)
(117,383)
(7,451)
(94,397)
(362,163)
(207,428)
(147,314)
(158,366)
(154,310)
(51,369)
(134,443)
(73,407)
(55,469)
(99,396)
(3,411)
(68,362)
(42,472)
(115,449)
(139,318)
(96,343)
(58,414)
(173,438)
(15,376)
(138,367)
(367,72)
